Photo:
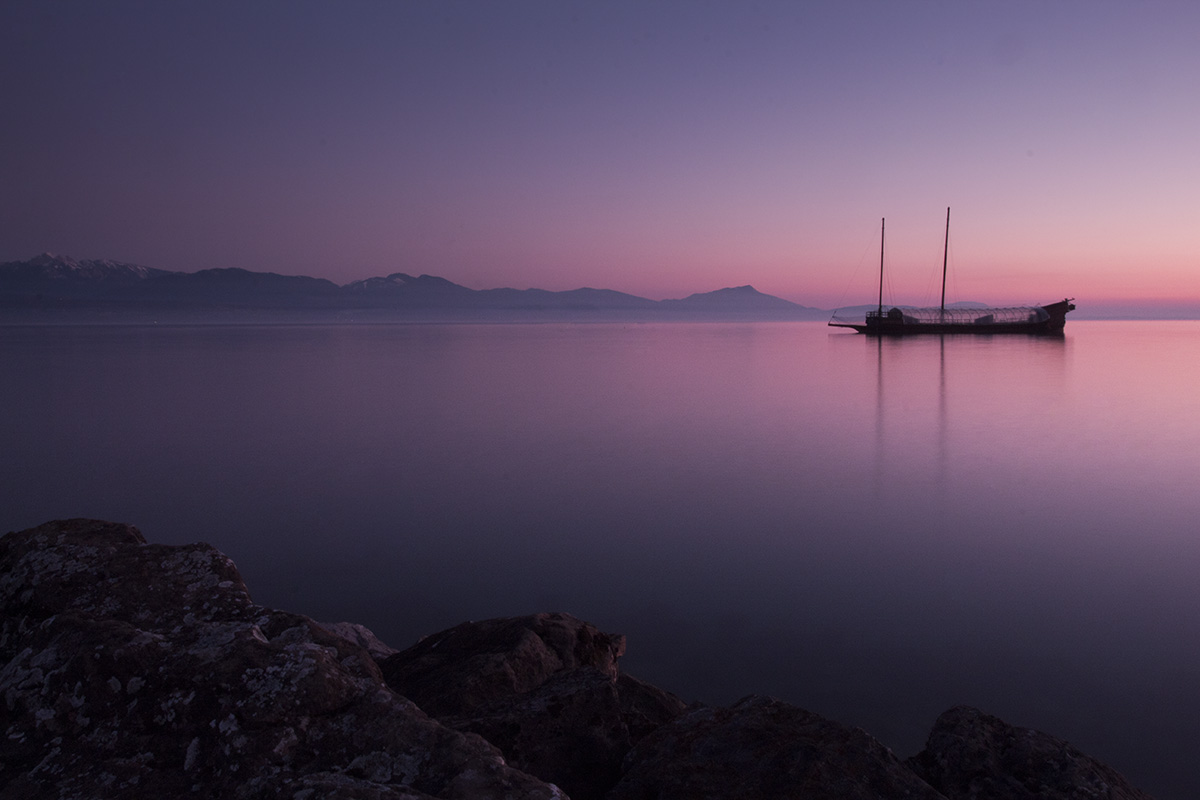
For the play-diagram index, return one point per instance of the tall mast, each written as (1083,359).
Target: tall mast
(882,223)
(945,256)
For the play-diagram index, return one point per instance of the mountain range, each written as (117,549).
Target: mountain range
(51,282)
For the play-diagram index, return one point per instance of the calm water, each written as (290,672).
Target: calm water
(872,530)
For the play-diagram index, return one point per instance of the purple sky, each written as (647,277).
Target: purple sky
(658,148)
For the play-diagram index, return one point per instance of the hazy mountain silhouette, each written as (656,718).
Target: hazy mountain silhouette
(399,286)
(234,286)
(62,271)
(57,282)
(737,298)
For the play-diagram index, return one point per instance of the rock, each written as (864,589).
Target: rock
(141,670)
(761,749)
(473,664)
(362,636)
(973,756)
(545,689)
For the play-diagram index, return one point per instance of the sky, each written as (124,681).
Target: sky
(658,148)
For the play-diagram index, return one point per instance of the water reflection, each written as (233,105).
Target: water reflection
(950,410)
(883,463)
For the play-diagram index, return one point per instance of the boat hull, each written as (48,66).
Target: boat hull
(897,323)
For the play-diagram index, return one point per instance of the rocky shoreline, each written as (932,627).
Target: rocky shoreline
(133,669)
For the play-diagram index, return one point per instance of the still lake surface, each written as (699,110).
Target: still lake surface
(873,530)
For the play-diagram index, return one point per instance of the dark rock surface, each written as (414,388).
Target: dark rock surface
(545,689)
(975,756)
(764,748)
(140,670)
(475,663)
(130,669)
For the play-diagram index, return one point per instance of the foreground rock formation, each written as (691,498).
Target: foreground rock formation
(764,748)
(544,689)
(974,755)
(138,670)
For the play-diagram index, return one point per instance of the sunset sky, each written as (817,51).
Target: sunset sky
(658,148)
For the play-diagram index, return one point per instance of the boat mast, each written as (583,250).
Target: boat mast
(945,256)
(882,223)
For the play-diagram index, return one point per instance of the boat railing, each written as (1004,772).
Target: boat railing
(899,315)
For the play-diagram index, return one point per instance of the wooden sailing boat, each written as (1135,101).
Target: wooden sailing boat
(898,321)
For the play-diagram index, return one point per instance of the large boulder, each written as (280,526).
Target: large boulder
(763,749)
(545,689)
(141,670)
(473,664)
(974,756)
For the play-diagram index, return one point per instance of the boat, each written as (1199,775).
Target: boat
(901,321)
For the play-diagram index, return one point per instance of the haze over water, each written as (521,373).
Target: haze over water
(874,530)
